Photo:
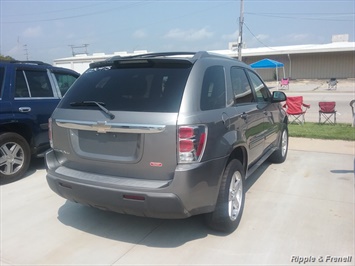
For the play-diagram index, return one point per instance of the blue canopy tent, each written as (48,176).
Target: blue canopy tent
(268,63)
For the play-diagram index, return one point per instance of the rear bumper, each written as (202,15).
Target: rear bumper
(193,190)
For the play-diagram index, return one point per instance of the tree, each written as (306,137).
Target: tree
(6,58)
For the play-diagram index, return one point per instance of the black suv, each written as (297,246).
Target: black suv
(29,92)
(165,135)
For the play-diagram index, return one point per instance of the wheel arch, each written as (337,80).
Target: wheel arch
(285,120)
(240,153)
(19,128)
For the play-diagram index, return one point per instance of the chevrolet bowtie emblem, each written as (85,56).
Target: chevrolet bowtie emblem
(101,127)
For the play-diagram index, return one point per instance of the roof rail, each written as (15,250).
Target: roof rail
(194,56)
(165,54)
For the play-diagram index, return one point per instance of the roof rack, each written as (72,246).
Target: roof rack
(150,55)
(29,62)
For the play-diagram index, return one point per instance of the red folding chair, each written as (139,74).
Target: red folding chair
(327,112)
(296,109)
(284,84)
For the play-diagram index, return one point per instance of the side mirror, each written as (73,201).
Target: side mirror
(278,96)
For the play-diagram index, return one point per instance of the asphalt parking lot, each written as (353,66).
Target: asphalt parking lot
(298,212)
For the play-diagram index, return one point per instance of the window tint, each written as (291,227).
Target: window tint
(21,89)
(32,84)
(2,75)
(262,92)
(145,89)
(241,87)
(213,94)
(64,81)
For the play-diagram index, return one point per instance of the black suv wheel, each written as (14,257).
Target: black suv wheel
(14,156)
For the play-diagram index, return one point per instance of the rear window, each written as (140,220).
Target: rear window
(141,89)
(64,81)
(213,95)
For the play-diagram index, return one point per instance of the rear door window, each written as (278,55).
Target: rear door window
(32,84)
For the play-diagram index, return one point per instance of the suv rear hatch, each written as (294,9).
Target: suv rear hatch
(119,119)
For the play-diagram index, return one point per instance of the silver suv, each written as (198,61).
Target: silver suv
(165,135)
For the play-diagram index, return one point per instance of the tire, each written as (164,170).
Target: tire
(230,202)
(15,156)
(279,156)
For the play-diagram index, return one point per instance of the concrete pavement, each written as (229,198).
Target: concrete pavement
(316,85)
(320,145)
(300,210)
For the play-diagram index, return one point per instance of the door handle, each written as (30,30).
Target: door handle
(25,109)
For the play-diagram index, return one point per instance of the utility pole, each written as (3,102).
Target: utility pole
(240,37)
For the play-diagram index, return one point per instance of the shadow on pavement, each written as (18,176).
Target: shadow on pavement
(132,229)
(341,171)
(140,230)
(256,175)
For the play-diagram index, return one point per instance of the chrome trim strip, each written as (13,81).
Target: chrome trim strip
(104,126)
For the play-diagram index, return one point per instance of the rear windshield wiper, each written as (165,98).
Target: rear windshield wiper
(93,103)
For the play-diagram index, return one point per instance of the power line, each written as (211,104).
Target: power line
(304,16)
(75,16)
(257,37)
(48,12)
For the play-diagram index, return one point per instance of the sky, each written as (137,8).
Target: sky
(46,30)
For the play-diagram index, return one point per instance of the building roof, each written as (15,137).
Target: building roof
(293,49)
(262,51)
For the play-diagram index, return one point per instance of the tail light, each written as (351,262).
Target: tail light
(192,142)
(50,134)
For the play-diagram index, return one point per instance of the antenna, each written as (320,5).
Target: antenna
(83,48)
(26,51)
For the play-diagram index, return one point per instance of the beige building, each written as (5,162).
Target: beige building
(313,61)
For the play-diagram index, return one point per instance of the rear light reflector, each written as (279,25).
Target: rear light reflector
(134,197)
(201,144)
(192,142)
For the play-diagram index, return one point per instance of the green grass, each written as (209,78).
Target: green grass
(322,131)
